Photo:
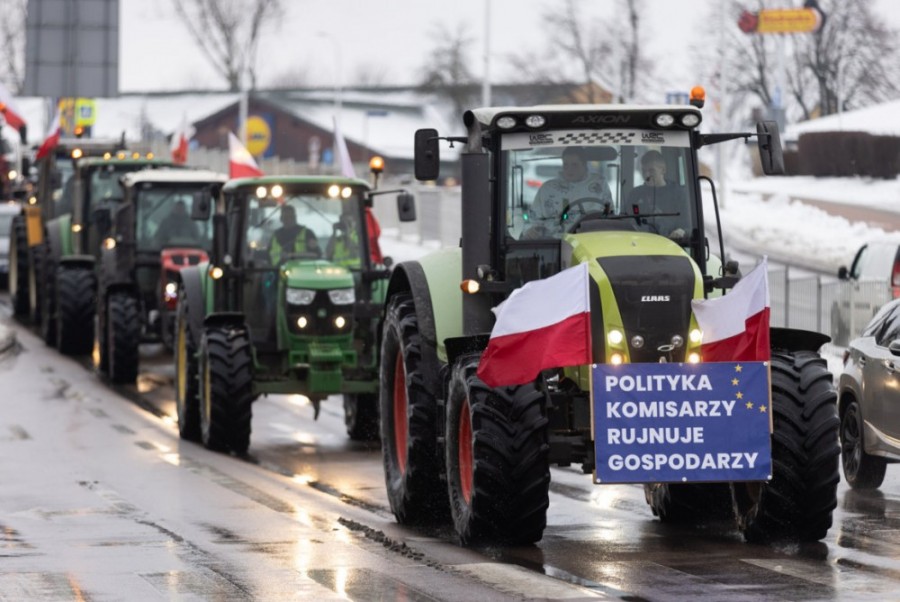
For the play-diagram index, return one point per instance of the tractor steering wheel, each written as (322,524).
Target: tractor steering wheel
(604,210)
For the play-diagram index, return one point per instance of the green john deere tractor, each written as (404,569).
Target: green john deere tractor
(457,448)
(73,239)
(52,196)
(152,239)
(288,303)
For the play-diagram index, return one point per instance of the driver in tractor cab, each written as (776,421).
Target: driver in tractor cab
(177,226)
(556,199)
(292,238)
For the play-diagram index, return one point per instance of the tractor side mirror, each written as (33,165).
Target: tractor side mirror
(843,273)
(894,347)
(101,216)
(201,206)
(427,155)
(770,153)
(406,207)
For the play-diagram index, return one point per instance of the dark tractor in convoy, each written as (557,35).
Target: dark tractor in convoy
(457,448)
(290,302)
(50,198)
(73,242)
(152,239)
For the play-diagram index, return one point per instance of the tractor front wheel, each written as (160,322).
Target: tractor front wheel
(497,457)
(797,502)
(75,310)
(123,330)
(361,416)
(226,389)
(187,384)
(408,405)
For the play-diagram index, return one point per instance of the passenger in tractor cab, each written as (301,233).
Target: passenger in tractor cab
(343,246)
(177,227)
(292,238)
(659,195)
(561,201)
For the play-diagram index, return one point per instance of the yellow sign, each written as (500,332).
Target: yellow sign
(789,20)
(259,135)
(75,112)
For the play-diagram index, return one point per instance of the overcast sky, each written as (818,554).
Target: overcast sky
(391,37)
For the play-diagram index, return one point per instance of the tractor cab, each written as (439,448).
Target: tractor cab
(302,250)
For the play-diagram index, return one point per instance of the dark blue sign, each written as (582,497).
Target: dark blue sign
(657,423)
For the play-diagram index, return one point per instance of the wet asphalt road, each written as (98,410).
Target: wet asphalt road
(103,502)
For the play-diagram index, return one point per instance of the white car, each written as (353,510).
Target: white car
(872,280)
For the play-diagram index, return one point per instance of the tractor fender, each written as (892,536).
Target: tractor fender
(192,284)
(109,278)
(433,281)
(795,339)
(78,261)
(233,319)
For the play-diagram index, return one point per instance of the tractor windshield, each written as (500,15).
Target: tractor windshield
(163,218)
(305,222)
(555,183)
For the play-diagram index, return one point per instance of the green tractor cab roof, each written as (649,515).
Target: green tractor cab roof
(129,161)
(239,183)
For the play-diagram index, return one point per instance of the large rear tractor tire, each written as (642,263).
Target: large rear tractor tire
(408,404)
(497,457)
(187,384)
(861,470)
(361,416)
(226,389)
(75,305)
(18,268)
(689,503)
(797,503)
(123,330)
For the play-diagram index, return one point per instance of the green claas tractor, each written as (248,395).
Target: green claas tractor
(457,448)
(49,199)
(152,239)
(288,303)
(73,244)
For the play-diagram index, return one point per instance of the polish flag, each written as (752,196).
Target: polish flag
(9,109)
(736,326)
(544,324)
(180,140)
(240,162)
(52,139)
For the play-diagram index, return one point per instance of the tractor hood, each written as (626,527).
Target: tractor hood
(316,274)
(645,283)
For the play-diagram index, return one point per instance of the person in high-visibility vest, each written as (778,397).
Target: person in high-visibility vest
(343,248)
(292,238)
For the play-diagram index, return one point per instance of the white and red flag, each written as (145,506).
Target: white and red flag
(343,152)
(240,162)
(9,109)
(51,140)
(544,324)
(736,325)
(180,141)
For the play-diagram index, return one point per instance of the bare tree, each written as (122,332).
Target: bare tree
(12,43)
(606,52)
(854,57)
(446,70)
(227,31)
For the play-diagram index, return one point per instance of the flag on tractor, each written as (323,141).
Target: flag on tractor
(180,141)
(240,162)
(736,325)
(544,324)
(52,139)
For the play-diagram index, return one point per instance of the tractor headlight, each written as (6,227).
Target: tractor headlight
(300,296)
(342,296)
(695,336)
(615,337)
